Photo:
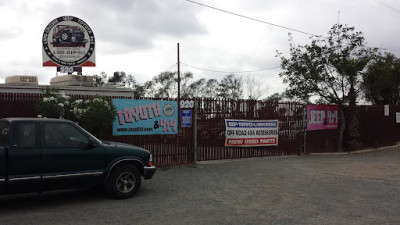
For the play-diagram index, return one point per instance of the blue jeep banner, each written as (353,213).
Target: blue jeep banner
(145,117)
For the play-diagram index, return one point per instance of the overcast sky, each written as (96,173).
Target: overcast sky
(140,36)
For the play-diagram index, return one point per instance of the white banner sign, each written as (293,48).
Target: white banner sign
(251,133)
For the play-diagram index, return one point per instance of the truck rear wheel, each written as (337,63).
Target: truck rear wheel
(124,181)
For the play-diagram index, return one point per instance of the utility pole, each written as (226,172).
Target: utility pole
(179,77)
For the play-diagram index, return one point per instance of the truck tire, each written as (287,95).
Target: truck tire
(124,181)
(66,36)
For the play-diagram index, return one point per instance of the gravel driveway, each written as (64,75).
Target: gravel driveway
(318,189)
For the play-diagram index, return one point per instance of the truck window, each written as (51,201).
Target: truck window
(4,132)
(27,135)
(64,135)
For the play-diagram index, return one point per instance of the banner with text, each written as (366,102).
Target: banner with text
(251,133)
(322,117)
(145,117)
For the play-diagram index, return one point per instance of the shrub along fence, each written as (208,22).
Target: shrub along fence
(375,129)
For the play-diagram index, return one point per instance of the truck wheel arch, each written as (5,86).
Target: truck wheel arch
(135,162)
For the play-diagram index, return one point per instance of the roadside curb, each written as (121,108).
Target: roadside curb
(210,162)
(356,152)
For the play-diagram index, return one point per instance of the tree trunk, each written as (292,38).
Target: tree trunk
(342,126)
(352,132)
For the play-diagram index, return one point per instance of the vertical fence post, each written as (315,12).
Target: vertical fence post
(194,126)
(303,148)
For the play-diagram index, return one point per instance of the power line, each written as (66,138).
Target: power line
(386,49)
(283,27)
(254,19)
(387,6)
(171,67)
(218,71)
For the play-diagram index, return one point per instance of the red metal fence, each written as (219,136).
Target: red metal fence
(17,104)
(211,116)
(375,129)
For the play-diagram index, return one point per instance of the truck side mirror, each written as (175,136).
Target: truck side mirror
(92,144)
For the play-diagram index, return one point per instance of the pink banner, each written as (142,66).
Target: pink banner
(322,117)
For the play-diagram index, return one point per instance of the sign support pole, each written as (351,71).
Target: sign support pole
(194,126)
(179,77)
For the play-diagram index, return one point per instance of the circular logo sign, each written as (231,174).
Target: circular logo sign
(168,110)
(68,41)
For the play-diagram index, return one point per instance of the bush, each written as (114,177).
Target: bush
(53,104)
(95,115)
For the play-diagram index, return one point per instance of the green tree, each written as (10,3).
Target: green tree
(382,81)
(276,97)
(118,78)
(194,89)
(138,90)
(99,80)
(121,79)
(210,90)
(329,68)
(202,88)
(164,85)
(230,87)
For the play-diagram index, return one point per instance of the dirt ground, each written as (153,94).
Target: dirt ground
(361,188)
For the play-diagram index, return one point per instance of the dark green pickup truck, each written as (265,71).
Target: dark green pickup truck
(48,154)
